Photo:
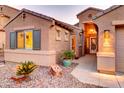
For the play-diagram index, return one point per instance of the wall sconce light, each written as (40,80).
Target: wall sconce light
(92,31)
(106,38)
(106,33)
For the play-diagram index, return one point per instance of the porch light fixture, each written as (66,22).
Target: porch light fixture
(92,31)
(106,38)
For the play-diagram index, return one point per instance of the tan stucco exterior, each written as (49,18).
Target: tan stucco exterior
(87,15)
(110,54)
(30,22)
(51,49)
(58,45)
(109,21)
(6,14)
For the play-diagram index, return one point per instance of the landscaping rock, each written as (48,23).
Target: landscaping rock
(41,78)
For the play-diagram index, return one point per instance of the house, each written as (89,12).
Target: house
(32,36)
(86,23)
(6,14)
(103,35)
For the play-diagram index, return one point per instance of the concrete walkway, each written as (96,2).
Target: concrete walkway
(86,72)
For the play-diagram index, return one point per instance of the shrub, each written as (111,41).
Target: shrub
(68,54)
(25,68)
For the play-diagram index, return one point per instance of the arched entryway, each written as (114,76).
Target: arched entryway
(90,40)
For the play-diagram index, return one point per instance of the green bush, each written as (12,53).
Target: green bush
(68,54)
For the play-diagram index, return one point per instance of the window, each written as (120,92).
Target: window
(26,39)
(20,39)
(66,36)
(12,40)
(58,35)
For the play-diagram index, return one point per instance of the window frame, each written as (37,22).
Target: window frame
(24,30)
(17,39)
(25,39)
(58,35)
(66,36)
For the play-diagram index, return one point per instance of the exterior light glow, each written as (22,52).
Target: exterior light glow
(106,38)
(92,31)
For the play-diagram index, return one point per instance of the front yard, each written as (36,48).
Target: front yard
(41,78)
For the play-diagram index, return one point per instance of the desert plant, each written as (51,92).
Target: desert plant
(68,54)
(25,68)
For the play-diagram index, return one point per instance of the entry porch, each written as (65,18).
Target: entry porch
(86,72)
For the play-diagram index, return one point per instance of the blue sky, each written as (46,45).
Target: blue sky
(65,13)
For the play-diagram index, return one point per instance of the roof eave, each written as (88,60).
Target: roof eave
(108,10)
(88,9)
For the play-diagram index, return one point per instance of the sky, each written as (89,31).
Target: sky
(65,13)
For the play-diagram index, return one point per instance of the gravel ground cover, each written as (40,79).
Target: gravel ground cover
(41,78)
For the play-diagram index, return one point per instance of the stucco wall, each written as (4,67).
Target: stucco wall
(42,57)
(84,16)
(105,23)
(79,42)
(58,45)
(30,22)
(8,11)
(2,39)
(48,41)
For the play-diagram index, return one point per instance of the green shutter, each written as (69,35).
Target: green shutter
(36,39)
(12,40)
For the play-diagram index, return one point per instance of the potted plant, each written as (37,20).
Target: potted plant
(67,57)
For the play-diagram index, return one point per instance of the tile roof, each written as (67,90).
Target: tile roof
(9,7)
(66,25)
(106,11)
(89,8)
(77,24)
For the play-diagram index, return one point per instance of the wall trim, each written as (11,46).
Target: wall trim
(33,52)
(118,22)
(26,27)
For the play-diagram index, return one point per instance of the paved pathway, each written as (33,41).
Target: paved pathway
(86,72)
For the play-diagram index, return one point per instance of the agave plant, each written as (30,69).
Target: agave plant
(25,68)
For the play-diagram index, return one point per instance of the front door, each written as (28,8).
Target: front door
(93,44)
(74,43)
